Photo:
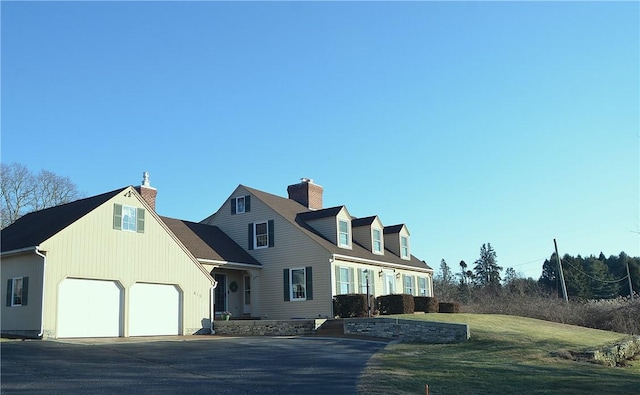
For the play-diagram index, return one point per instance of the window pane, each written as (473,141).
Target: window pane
(298,284)
(17,292)
(129,221)
(240,205)
(377,244)
(262,239)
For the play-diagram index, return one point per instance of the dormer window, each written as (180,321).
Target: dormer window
(343,230)
(404,247)
(377,241)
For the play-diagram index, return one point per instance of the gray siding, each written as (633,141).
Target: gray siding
(24,320)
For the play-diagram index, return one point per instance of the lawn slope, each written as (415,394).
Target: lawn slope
(505,355)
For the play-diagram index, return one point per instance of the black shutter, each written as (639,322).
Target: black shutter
(233,206)
(9,291)
(140,217)
(285,280)
(270,232)
(247,203)
(309,284)
(25,290)
(117,216)
(250,236)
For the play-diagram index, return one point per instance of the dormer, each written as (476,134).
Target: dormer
(396,240)
(333,223)
(369,233)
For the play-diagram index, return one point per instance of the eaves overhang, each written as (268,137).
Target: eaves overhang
(379,263)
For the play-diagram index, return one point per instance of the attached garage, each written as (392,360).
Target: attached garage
(154,309)
(89,308)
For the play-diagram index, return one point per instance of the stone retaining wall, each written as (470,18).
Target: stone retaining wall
(267,327)
(411,331)
(611,355)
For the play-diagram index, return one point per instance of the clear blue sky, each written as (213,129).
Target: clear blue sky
(502,122)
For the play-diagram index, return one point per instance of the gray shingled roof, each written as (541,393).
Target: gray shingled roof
(362,221)
(297,214)
(208,242)
(34,228)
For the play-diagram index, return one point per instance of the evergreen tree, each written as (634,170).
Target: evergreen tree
(486,269)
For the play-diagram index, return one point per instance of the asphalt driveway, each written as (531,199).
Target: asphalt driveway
(200,365)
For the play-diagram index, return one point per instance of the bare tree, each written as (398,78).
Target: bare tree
(23,192)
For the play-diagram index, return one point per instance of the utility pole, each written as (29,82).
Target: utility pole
(564,287)
(629,278)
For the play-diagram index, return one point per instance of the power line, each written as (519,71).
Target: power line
(593,278)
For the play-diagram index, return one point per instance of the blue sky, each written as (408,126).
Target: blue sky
(502,122)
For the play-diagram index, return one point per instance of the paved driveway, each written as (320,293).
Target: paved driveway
(201,365)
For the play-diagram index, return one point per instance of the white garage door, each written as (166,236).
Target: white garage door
(89,308)
(154,309)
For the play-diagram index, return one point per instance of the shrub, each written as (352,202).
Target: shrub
(447,307)
(396,304)
(427,304)
(352,305)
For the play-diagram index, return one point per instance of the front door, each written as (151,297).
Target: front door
(247,294)
(221,292)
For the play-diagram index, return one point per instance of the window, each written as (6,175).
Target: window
(404,247)
(240,205)
(344,278)
(17,291)
(298,284)
(128,218)
(408,285)
(343,233)
(262,235)
(422,286)
(377,241)
(365,275)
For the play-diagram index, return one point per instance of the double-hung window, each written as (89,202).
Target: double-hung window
(404,247)
(377,241)
(298,284)
(344,281)
(422,286)
(365,277)
(128,218)
(17,291)
(262,235)
(343,232)
(408,285)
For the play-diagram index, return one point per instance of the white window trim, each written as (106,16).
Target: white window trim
(135,218)
(341,282)
(255,235)
(426,286)
(292,298)
(13,290)
(373,241)
(340,233)
(402,248)
(412,287)
(238,211)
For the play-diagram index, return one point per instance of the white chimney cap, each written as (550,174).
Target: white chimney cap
(307,180)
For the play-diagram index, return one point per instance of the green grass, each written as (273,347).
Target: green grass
(505,355)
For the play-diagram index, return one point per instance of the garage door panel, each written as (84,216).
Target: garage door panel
(89,308)
(154,309)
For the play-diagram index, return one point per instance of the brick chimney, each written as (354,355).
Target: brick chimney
(147,191)
(306,193)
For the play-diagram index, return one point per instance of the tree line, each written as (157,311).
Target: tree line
(592,277)
(585,278)
(23,191)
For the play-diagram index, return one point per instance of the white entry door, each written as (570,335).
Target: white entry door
(154,309)
(89,308)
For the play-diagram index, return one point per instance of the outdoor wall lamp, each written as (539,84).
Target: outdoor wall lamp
(380,273)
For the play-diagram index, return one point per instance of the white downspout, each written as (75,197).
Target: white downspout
(212,313)
(44,274)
